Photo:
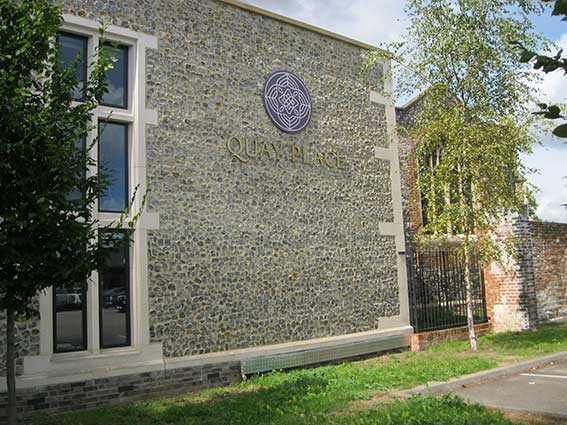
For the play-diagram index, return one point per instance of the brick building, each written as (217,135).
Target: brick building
(532,287)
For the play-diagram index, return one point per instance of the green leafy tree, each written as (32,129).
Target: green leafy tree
(549,64)
(474,112)
(49,235)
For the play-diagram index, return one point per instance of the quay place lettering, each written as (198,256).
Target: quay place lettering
(245,149)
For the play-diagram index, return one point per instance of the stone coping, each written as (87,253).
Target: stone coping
(299,24)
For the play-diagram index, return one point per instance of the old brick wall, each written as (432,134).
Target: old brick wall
(549,242)
(532,288)
(510,285)
(407,147)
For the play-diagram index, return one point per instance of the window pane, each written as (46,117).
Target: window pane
(117,78)
(115,298)
(69,316)
(73,55)
(112,161)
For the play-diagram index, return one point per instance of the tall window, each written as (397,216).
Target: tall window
(113,162)
(73,56)
(69,319)
(114,291)
(429,163)
(70,313)
(442,196)
(117,78)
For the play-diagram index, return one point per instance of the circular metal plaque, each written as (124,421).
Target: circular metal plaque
(287,101)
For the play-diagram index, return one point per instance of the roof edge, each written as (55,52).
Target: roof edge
(411,101)
(299,24)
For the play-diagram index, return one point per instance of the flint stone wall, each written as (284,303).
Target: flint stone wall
(264,252)
(27,341)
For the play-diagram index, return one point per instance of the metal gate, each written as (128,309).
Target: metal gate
(437,289)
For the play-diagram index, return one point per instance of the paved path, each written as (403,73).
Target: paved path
(540,391)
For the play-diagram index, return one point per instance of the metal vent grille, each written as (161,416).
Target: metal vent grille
(320,355)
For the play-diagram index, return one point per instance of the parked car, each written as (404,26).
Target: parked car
(121,303)
(111,295)
(68,299)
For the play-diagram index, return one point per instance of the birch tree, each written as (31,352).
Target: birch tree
(475,110)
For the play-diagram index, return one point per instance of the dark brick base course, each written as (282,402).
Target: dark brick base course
(60,398)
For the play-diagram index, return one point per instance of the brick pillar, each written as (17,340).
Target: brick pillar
(510,289)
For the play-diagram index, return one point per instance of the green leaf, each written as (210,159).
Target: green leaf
(561,131)
(553,112)
(560,8)
(527,56)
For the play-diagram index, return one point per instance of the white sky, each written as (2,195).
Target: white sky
(378,21)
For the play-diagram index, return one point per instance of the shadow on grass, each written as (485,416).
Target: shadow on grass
(305,400)
(272,407)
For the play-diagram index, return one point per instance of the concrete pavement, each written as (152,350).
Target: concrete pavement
(542,390)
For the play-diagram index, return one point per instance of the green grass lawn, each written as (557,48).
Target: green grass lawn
(350,393)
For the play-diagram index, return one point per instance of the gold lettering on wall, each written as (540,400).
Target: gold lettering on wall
(332,159)
(236,147)
(247,149)
(277,151)
(305,156)
(295,153)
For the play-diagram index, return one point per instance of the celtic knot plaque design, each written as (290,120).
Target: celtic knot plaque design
(287,101)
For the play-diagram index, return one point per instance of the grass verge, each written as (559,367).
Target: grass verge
(341,394)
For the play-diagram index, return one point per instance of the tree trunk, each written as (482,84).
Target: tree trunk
(11,364)
(470,307)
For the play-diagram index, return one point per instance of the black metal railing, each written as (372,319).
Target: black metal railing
(437,289)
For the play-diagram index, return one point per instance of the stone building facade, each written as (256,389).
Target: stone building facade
(256,246)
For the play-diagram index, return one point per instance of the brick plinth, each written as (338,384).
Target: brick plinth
(60,398)
(423,340)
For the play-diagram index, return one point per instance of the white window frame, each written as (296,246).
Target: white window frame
(140,352)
